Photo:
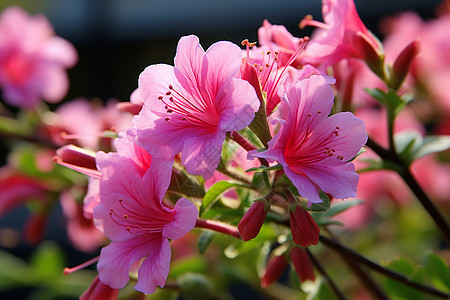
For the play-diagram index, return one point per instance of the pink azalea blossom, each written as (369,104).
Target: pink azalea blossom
(343,35)
(132,215)
(276,38)
(190,107)
(82,122)
(32,59)
(314,148)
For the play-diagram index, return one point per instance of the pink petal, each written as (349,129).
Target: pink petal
(155,268)
(189,61)
(339,181)
(201,155)
(117,258)
(60,51)
(305,187)
(237,103)
(184,220)
(223,61)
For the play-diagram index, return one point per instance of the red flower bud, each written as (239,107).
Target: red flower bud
(99,291)
(77,159)
(366,50)
(302,264)
(251,222)
(403,63)
(305,231)
(274,269)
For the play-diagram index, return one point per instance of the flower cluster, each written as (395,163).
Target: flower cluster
(229,140)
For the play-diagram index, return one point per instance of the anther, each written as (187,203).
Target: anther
(160,97)
(168,93)
(309,115)
(319,112)
(170,87)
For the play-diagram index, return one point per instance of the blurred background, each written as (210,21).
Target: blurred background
(117,39)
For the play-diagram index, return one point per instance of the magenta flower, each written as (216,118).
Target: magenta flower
(132,215)
(190,107)
(343,35)
(313,148)
(32,59)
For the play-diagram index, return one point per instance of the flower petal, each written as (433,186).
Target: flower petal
(201,155)
(117,258)
(155,268)
(184,220)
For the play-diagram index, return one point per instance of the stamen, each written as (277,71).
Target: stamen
(80,266)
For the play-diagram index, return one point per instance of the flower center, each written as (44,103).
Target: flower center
(199,112)
(138,224)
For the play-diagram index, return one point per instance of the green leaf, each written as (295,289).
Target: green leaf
(323,218)
(400,290)
(438,271)
(214,192)
(204,240)
(48,261)
(406,143)
(361,151)
(265,168)
(432,144)
(393,102)
(323,206)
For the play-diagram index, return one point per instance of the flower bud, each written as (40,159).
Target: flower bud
(302,264)
(305,231)
(403,63)
(274,269)
(253,219)
(77,159)
(99,291)
(367,51)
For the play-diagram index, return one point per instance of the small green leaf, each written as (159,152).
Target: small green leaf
(438,271)
(323,206)
(48,261)
(406,143)
(432,144)
(323,218)
(215,191)
(400,290)
(361,151)
(265,168)
(204,240)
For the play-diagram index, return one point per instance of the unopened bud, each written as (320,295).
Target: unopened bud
(77,159)
(305,231)
(99,291)
(366,50)
(274,269)
(129,107)
(302,264)
(253,219)
(403,63)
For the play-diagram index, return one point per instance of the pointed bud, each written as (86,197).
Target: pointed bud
(305,231)
(77,159)
(99,291)
(302,264)
(34,229)
(274,269)
(129,107)
(370,53)
(403,63)
(251,222)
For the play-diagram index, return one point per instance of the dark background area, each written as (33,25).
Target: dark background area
(117,39)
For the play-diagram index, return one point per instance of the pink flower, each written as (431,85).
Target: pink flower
(313,148)
(132,215)
(32,59)
(343,35)
(278,38)
(190,107)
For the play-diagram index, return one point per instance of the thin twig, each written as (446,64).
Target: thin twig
(324,273)
(382,270)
